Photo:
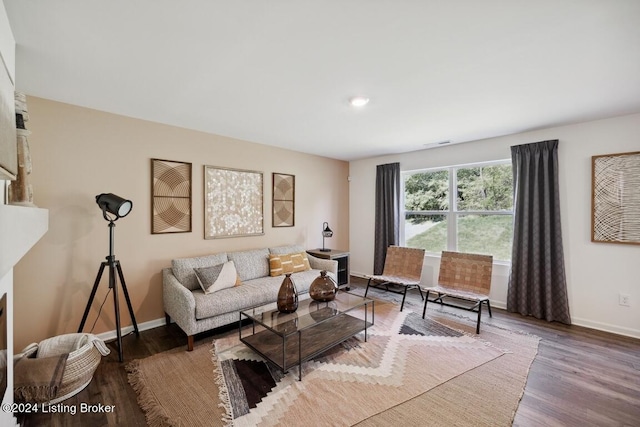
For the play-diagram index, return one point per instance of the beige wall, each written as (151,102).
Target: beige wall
(78,153)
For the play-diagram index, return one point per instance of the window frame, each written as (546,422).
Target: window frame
(452,214)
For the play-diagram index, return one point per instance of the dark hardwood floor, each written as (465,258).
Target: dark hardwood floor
(580,377)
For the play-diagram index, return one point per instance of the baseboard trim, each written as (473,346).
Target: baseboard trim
(606,327)
(111,335)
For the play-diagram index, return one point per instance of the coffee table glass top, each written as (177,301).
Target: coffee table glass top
(308,314)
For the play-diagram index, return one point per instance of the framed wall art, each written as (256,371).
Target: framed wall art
(615,207)
(170,197)
(233,203)
(283,200)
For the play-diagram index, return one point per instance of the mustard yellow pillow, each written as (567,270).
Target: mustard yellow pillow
(300,262)
(288,263)
(275,265)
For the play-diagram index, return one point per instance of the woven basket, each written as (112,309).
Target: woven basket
(85,352)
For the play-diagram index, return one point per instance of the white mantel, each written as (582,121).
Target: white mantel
(20,229)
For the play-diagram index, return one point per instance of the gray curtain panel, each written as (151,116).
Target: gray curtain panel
(537,281)
(387,212)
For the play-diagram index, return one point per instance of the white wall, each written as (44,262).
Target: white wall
(596,272)
(7,59)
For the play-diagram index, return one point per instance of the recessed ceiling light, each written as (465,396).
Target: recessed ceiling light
(359,101)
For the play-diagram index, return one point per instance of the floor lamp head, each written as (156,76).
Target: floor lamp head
(114,205)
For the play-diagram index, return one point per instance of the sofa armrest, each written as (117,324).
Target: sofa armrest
(329,265)
(178,302)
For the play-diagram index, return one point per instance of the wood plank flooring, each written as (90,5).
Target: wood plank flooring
(580,377)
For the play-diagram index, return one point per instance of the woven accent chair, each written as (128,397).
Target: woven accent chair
(463,276)
(402,267)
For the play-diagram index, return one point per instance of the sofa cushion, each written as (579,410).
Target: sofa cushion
(251,293)
(289,263)
(183,268)
(216,278)
(254,292)
(251,264)
(283,250)
(303,280)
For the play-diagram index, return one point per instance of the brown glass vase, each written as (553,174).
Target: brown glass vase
(287,295)
(323,288)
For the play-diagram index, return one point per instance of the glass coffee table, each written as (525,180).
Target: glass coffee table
(288,339)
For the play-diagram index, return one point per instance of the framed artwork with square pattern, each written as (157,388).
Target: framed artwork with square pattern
(233,204)
(284,192)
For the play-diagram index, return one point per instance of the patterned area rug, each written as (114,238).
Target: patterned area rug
(410,371)
(404,357)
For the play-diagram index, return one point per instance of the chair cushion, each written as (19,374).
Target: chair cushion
(399,280)
(458,293)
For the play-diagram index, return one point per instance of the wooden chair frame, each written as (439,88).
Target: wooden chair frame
(402,267)
(465,277)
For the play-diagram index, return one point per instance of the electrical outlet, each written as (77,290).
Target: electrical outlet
(623,299)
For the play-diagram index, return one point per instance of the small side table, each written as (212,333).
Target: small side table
(343,263)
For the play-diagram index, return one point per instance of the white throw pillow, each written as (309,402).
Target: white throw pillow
(218,277)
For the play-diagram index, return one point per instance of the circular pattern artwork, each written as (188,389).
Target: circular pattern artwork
(171,196)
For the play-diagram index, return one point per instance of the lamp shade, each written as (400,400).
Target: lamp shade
(326,231)
(113,204)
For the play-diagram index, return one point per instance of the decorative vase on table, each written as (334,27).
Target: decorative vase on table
(287,296)
(323,288)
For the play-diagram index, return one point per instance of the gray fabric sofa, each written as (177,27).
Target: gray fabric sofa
(194,311)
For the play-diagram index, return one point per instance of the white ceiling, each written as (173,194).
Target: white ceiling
(280,72)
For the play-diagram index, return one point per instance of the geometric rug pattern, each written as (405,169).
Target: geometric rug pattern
(351,384)
(403,357)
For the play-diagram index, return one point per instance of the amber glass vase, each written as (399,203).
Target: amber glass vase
(287,295)
(323,288)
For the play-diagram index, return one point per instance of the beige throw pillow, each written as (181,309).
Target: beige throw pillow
(218,277)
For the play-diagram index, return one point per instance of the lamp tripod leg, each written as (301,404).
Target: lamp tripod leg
(126,297)
(93,294)
(113,265)
(116,305)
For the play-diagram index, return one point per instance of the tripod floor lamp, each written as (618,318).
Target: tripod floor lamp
(113,208)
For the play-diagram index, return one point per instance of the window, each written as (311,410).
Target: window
(461,208)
